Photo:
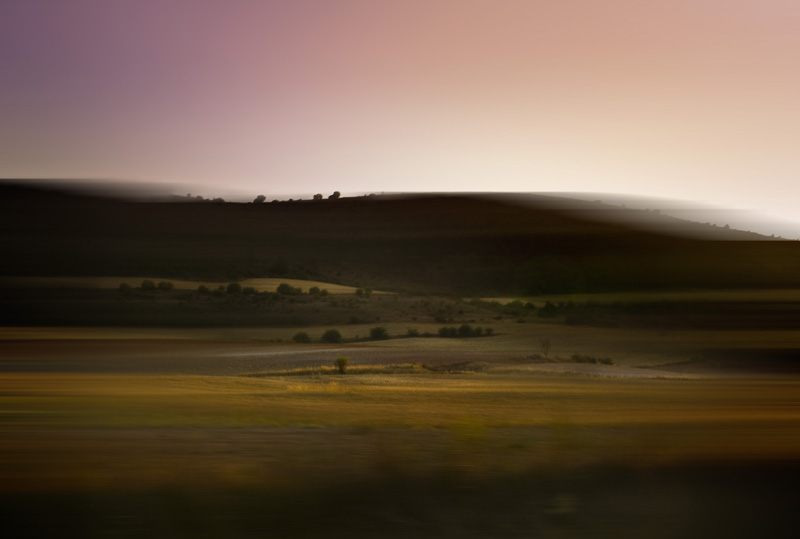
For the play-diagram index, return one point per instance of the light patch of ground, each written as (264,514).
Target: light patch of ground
(260,284)
(769,295)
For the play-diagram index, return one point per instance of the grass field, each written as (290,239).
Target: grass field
(120,437)
(112,283)
(238,431)
(738,295)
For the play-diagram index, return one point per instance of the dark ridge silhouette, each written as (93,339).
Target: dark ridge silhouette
(443,243)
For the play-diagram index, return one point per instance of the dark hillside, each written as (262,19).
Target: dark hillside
(468,245)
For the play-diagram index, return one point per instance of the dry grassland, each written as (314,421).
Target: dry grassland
(759,295)
(260,284)
(78,431)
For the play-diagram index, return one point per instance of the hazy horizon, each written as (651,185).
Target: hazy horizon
(678,100)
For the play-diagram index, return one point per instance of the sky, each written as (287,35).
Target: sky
(695,100)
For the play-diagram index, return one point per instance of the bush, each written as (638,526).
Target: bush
(448,332)
(378,334)
(332,336)
(165,285)
(314,290)
(203,289)
(341,363)
(577,358)
(249,290)
(234,288)
(548,311)
(412,332)
(301,337)
(125,287)
(288,290)
(323,292)
(465,331)
(147,284)
(546,344)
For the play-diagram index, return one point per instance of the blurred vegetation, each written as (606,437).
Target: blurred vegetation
(447,245)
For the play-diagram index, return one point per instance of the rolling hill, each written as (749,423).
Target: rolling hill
(450,244)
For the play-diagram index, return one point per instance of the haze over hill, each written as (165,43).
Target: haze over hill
(445,243)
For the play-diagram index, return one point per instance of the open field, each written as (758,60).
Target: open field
(165,437)
(630,347)
(113,283)
(737,295)
(644,385)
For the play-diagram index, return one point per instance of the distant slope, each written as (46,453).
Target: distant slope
(452,244)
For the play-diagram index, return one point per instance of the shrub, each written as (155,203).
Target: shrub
(234,288)
(332,336)
(448,332)
(411,332)
(323,292)
(125,287)
(249,290)
(465,331)
(548,311)
(378,333)
(288,290)
(314,290)
(546,344)
(301,337)
(488,332)
(147,284)
(577,358)
(165,285)
(203,289)
(341,363)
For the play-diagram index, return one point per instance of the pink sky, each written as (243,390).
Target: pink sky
(689,99)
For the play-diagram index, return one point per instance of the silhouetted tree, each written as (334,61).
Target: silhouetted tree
(378,334)
(288,290)
(259,199)
(318,196)
(234,288)
(465,331)
(301,337)
(332,335)
(334,196)
(549,310)
(341,363)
